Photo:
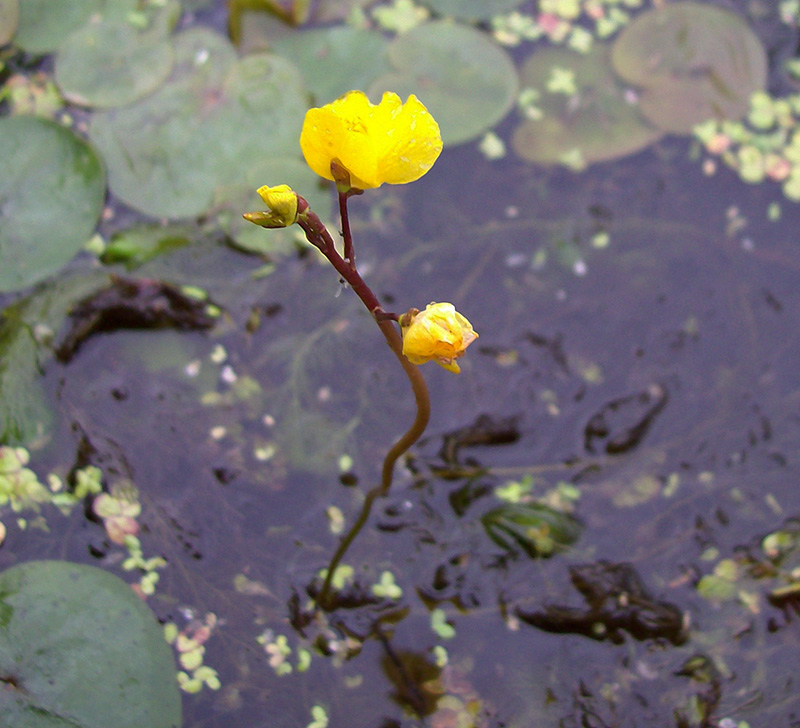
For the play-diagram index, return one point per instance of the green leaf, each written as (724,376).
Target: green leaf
(335,60)
(52,189)
(594,123)
(694,61)
(169,153)
(467,82)
(109,64)
(79,649)
(44,24)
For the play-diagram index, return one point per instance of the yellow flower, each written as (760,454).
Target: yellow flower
(281,202)
(392,142)
(439,333)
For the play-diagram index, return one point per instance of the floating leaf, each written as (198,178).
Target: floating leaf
(335,60)
(592,123)
(472,9)
(535,528)
(467,82)
(168,153)
(52,189)
(694,61)
(9,19)
(44,24)
(79,649)
(111,64)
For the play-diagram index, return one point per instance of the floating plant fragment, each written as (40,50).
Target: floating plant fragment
(19,485)
(594,123)
(118,513)
(693,62)
(399,17)
(764,146)
(535,528)
(138,244)
(79,648)
(467,82)
(52,189)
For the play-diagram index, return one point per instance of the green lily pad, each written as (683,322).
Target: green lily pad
(472,9)
(467,82)
(535,528)
(169,153)
(693,61)
(78,649)
(335,60)
(9,20)
(44,24)
(111,64)
(52,189)
(592,122)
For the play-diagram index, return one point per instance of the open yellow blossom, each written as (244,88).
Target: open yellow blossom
(439,333)
(392,142)
(281,202)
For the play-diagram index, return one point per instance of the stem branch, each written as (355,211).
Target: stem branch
(318,235)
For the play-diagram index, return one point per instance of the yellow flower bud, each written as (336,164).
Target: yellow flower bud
(391,142)
(281,202)
(439,333)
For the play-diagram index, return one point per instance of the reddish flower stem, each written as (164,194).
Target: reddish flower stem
(318,235)
(349,252)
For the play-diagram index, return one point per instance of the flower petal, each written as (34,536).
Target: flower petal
(411,146)
(390,142)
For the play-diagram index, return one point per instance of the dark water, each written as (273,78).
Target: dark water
(657,376)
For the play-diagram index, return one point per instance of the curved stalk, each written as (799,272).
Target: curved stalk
(318,235)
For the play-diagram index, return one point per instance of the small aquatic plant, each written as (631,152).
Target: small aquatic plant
(360,145)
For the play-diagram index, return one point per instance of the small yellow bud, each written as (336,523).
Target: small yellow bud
(281,202)
(439,333)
